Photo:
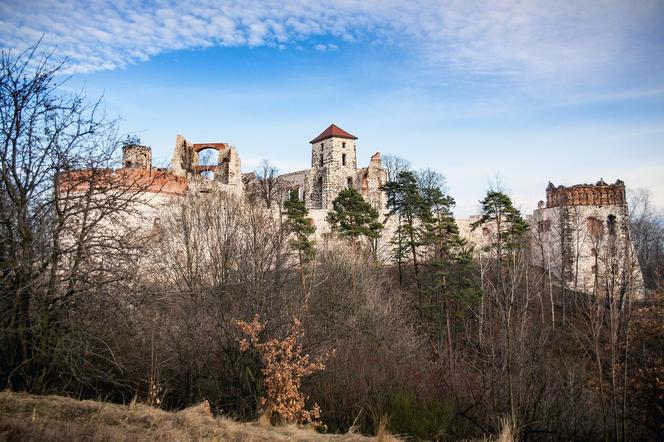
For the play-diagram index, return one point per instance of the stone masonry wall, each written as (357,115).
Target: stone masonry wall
(329,175)
(135,156)
(586,246)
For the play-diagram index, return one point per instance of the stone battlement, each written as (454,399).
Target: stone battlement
(598,194)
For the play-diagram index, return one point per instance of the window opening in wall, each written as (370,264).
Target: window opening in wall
(208,157)
(319,190)
(611,224)
(343,145)
(544,226)
(343,159)
(350,182)
(595,227)
(321,158)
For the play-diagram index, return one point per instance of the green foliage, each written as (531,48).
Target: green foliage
(405,198)
(421,419)
(442,229)
(297,222)
(353,217)
(498,210)
(406,201)
(425,219)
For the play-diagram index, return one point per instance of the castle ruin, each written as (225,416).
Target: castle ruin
(580,235)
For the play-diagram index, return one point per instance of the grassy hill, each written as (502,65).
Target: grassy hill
(25,417)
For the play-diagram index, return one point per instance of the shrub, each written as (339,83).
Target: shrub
(284,366)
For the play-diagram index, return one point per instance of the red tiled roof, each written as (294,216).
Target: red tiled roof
(333,131)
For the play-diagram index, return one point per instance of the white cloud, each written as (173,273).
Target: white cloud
(544,38)
(326,47)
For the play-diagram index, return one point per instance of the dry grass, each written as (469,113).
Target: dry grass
(25,417)
(507,432)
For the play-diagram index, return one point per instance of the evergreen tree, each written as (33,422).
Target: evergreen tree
(448,287)
(406,201)
(503,220)
(442,230)
(297,222)
(301,227)
(353,217)
(506,227)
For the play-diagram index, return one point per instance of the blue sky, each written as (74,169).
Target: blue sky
(565,91)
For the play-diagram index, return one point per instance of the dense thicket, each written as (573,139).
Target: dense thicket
(442,340)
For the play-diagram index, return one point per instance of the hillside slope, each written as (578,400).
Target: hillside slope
(25,417)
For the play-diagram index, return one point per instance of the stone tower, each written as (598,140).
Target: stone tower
(581,234)
(333,166)
(135,156)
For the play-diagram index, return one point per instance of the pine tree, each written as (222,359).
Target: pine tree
(448,288)
(442,229)
(504,221)
(302,228)
(297,222)
(353,217)
(406,201)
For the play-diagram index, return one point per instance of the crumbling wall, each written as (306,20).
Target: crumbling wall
(298,181)
(135,156)
(184,157)
(372,179)
(233,170)
(582,237)
(597,194)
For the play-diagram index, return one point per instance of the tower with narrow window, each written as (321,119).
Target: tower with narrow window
(333,167)
(581,236)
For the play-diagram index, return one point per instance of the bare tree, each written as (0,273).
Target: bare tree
(55,246)
(394,165)
(269,187)
(647,233)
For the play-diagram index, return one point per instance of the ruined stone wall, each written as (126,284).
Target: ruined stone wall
(234,171)
(183,157)
(598,194)
(297,180)
(369,182)
(480,238)
(586,246)
(135,156)
(149,181)
(224,174)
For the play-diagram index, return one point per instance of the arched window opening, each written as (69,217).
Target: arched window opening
(349,182)
(208,157)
